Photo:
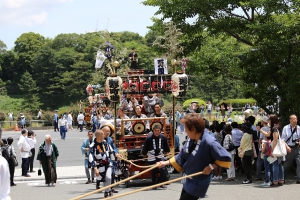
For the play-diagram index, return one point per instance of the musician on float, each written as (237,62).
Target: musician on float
(139,114)
(127,124)
(158,113)
(128,104)
(133,57)
(155,147)
(150,100)
(100,157)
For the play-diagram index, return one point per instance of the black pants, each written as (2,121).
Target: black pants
(25,162)
(81,127)
(161,175)
(11,171)
(247,162)
(186,196)
(31,159)
(55,125)
(237,158)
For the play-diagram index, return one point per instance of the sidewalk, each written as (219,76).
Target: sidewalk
(62,173)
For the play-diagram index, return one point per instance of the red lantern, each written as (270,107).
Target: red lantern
(124,85)
(144,86)
(134,86)
(155,85)
(167,85)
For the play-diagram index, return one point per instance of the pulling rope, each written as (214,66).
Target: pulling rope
(117,183)
(154,186)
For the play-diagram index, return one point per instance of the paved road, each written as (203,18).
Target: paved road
(71,159)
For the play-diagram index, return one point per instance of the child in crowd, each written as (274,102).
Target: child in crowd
(267,150)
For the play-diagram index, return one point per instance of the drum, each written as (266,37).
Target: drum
(138,127)
(156,123)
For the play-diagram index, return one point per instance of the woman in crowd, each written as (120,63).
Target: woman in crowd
(201,152)
(219,138)
(47,155)
(229,146)
(278,171)
(246,147)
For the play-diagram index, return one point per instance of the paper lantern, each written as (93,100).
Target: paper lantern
(179,84)
(155,85)
(114,88)
(167,85)
(144,86)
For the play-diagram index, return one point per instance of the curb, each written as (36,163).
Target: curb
(41,178)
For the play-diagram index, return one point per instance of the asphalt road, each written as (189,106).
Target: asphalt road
(70,155)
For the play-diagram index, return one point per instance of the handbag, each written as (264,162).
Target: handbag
(280,149)
(39,171)
(13,158)
(230,146)
(29,153)
(241,152)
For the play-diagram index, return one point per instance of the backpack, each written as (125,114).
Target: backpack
(5,153)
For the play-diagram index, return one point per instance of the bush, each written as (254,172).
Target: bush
(188,102)
(237,103)
(2,116)
(48,116)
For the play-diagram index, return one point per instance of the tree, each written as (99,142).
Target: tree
(28,86)
(26,46)
(270,28)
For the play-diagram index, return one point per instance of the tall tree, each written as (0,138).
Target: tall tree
(28,87)
(270,28)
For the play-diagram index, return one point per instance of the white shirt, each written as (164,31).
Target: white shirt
(22,143)
(70,119)
(31,142)
(209,106)
(80,119)
(62,122)
(4,179)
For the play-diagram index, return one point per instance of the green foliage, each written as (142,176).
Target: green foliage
(267,32)
(237,102)
(2,116)
(8,103)
(188,102)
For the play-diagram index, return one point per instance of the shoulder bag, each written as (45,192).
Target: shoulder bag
(280,149)
(13,158)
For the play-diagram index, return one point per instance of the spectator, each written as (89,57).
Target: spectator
(10,116)
(237,137)
(219,138)
(11,163)
(255,109)
(31,141)
(55,121)
(47,155)
(70,121)
(80,119)
(24,148)
(39,116)
(62,123)
(4,174)
(246,146)
(226,144)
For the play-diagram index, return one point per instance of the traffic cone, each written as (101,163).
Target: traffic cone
(16,127)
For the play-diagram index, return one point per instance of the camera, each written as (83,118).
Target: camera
(296,141)
(259,124)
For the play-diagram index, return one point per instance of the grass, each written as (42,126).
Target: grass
(14,104)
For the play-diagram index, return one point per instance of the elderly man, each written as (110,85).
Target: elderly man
(85,147)
(291,135)
(155,146)
(63,127)
(47,155)
(24,149)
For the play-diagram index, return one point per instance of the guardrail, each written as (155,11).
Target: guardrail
(30,123)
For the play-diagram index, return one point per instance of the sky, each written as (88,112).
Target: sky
(52,17)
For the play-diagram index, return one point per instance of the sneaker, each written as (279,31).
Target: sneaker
(265,184)
(220,177)
(53,184)
(163,186)
(247,181)
(215,178)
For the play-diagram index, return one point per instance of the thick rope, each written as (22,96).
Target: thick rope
(154,186)
(115,184)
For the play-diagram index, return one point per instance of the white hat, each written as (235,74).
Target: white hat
(265,119)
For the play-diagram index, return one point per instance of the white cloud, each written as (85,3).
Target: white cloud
(26,12)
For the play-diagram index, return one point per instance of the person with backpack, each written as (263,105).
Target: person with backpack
(4,174)
(11,151)
(229,146)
